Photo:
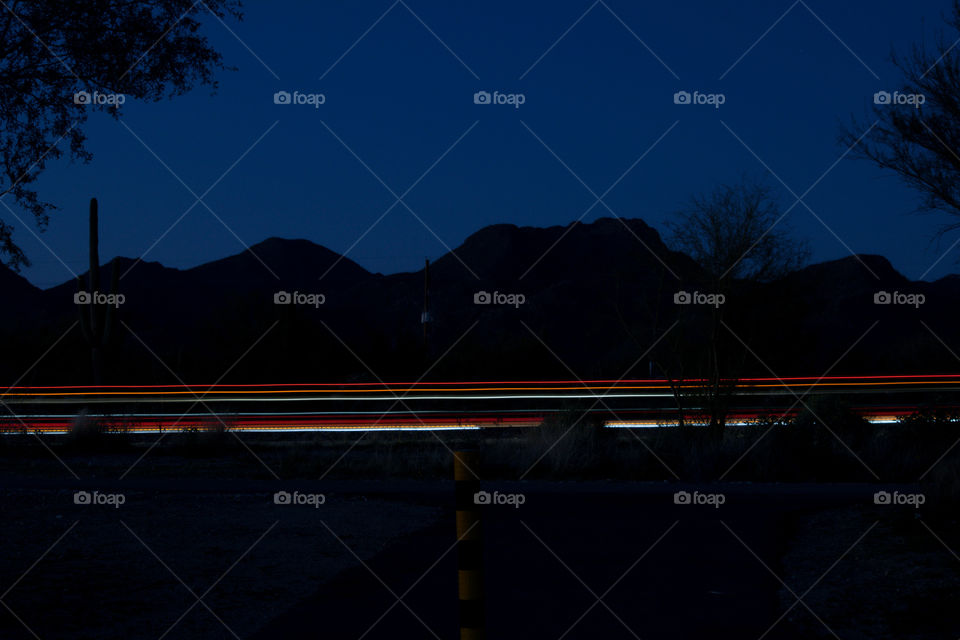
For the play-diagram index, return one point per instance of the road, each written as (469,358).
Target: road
(584,560)
(442,405)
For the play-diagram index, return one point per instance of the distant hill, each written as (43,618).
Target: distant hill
(20,301)
(595,297)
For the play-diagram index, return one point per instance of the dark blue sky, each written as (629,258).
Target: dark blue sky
(599,99)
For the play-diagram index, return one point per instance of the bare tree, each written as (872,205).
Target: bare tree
(915,131)
(57,56)
(736,232)
(738,236)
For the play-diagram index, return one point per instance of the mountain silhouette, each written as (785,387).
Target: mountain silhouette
(588,299)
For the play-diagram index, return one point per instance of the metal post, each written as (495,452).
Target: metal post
(469,546)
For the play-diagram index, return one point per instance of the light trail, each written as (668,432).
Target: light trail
(483,391)
(444,405)
(54,424)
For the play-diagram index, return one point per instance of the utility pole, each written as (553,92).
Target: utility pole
(425,317)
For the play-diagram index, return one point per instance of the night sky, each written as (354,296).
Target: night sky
(401,102)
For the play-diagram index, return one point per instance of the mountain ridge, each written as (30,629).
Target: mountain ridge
(595,297)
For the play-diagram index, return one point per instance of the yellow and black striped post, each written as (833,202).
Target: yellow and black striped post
(469,546)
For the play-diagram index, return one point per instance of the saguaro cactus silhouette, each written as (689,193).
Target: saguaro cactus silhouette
(96,316)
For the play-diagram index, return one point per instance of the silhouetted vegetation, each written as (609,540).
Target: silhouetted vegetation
(825,442)
(96,317)
(60,56)
(737,236)
(98,434)
(917,138)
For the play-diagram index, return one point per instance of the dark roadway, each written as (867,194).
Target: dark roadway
(660,570)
